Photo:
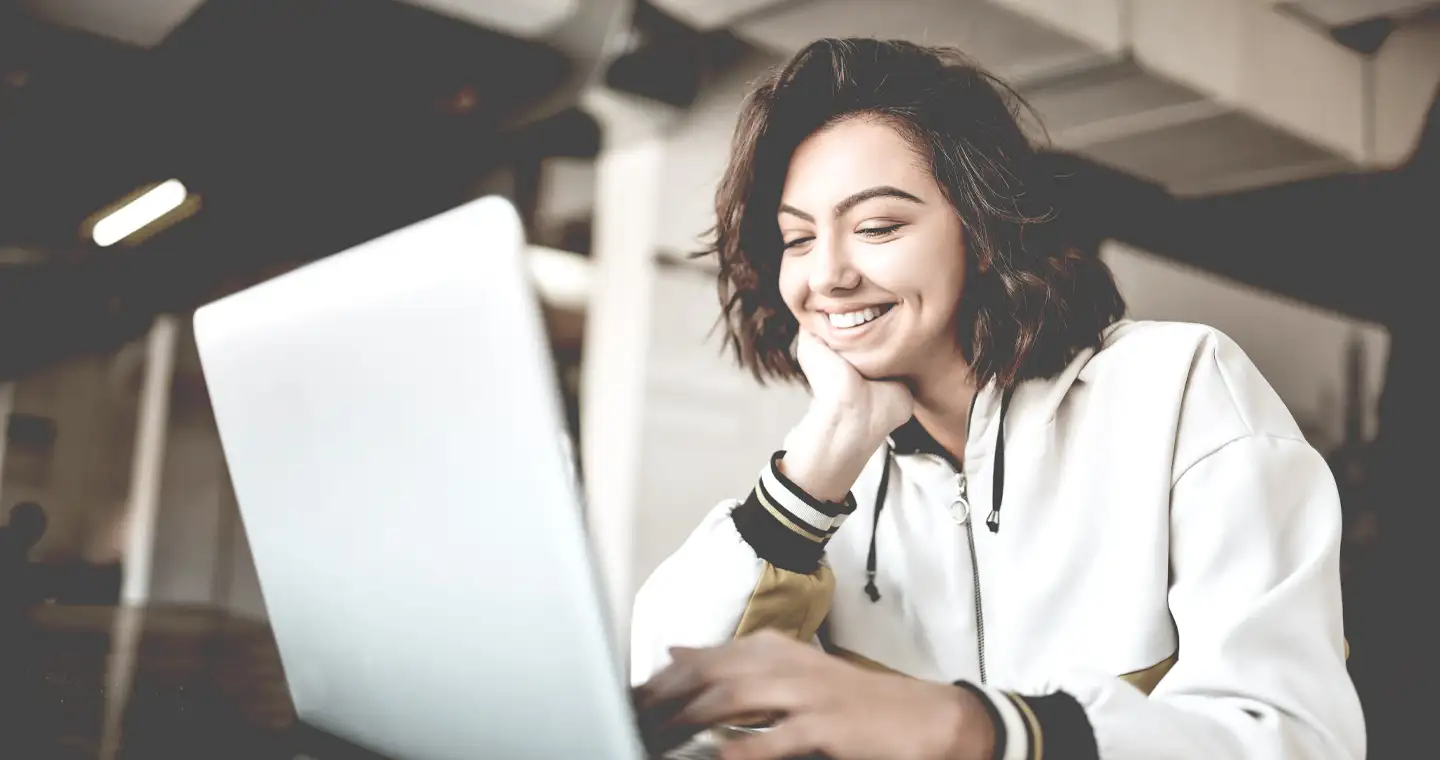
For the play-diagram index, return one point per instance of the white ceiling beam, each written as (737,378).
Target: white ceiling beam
(520,18)
(1335,13)
(142,23)
(1242,53)
(1101,23)
(1273,66)
(1013,46)
(146,23)
(1406,80)
(706,15)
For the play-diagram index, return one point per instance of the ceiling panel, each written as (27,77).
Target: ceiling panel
(1104,105)
(1346,12)
(1073,104)
(1227,151)
(713,14)
(1009,44)
(143,23)
(146,23)
(526,18)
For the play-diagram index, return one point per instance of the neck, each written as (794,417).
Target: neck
(942,403)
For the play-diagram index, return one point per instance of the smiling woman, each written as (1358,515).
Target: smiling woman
(878,273)
(886,233)
(902,159)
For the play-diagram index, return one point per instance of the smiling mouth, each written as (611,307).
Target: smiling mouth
(852,319)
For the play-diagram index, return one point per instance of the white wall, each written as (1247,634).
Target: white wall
(1299,348)
(185,565)
(200,555)
(698,146)
(708,428)
(627,205)
(82,477)
(705,427)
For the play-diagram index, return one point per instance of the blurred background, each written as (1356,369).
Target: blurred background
(1268,167)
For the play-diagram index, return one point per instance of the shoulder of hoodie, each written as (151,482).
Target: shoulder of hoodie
(1191,376)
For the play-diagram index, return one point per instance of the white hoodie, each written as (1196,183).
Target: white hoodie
(1164,581)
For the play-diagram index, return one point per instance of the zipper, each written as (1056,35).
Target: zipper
(964,494)
(960,511)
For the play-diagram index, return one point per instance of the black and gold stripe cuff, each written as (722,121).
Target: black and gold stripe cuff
(1034,728)
(786,526)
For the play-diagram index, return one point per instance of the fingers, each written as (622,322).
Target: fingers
(692,670)
(799,738)
(741,701)
(659,700)
(805,349)
(688,672)
(742,682)
(655,703)
(661,738)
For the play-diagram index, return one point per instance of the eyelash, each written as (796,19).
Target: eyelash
(869,232)
(875,232)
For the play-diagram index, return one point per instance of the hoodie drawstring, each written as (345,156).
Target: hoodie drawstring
(997,493)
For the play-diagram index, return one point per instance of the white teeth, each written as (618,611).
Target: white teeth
(855,318)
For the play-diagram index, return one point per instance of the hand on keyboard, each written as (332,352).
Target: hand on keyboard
(823,704)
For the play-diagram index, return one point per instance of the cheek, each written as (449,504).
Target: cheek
(947,289)
(944,268)
(792,285)
(931,273)
(918,270)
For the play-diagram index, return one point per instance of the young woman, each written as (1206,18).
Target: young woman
(1011,524)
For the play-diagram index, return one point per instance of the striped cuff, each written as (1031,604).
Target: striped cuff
(1027,728)
(786,526)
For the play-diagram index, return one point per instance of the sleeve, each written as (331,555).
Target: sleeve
(1255,594)
(749,565)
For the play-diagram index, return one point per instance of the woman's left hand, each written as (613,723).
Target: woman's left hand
(824,705)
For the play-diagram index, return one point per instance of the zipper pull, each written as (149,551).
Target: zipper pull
(960,507)
(993,521)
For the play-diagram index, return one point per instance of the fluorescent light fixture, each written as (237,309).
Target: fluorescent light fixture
(131,217)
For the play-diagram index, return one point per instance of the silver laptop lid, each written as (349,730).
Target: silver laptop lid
(391,421)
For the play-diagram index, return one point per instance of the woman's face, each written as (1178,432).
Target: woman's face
(874,259)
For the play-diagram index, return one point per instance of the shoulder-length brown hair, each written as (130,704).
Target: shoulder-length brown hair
(1032,299)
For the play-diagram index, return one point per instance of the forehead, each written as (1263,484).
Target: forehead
(853,155)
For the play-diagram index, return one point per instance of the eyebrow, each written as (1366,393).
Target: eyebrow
(844,206)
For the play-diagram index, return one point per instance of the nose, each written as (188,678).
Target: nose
(832,268)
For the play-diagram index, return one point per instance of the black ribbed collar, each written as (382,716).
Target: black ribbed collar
(913,438)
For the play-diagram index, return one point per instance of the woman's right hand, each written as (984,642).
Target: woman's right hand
(838,388)
(848,419)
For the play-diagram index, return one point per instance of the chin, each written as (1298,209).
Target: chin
(874,365)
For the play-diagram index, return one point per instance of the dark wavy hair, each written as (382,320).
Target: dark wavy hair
(1033,299)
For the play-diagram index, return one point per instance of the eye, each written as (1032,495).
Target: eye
(879,232)
(797,242)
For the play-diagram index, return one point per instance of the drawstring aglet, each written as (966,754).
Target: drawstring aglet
(870,589)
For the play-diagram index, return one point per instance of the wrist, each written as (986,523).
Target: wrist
(786,525)
(847,426)
(826,452)
(976,729)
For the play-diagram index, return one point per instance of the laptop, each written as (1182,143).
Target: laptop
(393,428)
